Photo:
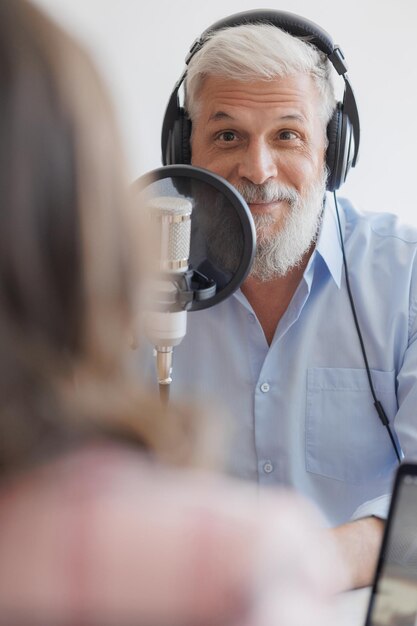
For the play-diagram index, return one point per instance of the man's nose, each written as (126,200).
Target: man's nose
(258,163)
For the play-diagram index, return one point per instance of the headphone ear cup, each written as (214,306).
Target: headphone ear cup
(186,137)
(334,130)
(179,141)
(340,149)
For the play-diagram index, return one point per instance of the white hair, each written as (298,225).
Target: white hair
(257,52)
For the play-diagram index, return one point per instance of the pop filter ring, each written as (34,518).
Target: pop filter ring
(241,208)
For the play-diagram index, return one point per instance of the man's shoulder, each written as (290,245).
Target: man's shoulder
(380,225)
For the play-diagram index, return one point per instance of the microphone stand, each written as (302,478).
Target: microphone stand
(164,394)
(175,296)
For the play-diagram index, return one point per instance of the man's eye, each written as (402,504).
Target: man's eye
(287,135)
(227,136)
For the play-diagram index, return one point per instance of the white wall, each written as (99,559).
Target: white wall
(140,46)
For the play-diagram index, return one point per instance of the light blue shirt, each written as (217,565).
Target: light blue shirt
(303,408)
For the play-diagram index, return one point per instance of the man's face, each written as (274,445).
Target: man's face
(255,133)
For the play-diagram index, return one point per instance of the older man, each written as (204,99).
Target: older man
(283,354)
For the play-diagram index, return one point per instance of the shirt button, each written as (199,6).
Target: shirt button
(251,318)
(264,387)
(268,467)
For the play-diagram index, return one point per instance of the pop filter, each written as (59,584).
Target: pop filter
(222,242)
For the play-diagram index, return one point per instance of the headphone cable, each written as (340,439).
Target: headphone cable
(377,404)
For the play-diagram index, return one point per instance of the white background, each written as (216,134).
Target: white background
(140,46)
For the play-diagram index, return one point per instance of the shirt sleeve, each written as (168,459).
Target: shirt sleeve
(378,507)
(406,418)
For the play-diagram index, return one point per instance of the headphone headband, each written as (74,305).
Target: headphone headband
(292,24)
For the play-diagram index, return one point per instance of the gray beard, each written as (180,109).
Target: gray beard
(279,252)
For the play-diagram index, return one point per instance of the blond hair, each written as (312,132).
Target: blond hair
(66,270)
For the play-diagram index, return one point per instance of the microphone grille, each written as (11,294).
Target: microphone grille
(173,217)
(179,240)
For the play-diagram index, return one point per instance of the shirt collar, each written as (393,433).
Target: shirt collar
(328,243)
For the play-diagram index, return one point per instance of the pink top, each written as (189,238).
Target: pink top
(104,536)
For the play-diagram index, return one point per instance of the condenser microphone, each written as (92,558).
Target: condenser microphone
(166,323)
(201,245)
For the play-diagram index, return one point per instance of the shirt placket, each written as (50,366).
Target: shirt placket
(269,397)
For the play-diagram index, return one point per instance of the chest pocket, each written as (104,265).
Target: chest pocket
(345,439)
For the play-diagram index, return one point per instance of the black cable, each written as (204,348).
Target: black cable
(377,404)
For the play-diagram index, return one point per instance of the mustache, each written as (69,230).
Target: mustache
(270,191)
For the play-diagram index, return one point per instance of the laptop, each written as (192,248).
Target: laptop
(394,593)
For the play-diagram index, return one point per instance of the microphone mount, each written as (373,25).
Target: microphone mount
(184,290)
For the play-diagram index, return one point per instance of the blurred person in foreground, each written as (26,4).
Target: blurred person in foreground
(97,525)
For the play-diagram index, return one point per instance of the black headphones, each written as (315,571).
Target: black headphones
(343,130)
